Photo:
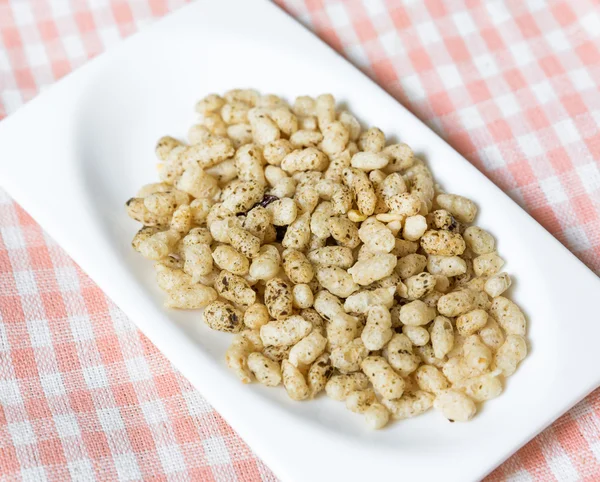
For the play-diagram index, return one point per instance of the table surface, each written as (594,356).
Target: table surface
(512,85)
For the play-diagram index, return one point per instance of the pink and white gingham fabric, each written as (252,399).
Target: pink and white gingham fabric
(512,85)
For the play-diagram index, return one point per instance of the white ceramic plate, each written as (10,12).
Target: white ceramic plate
(76,153)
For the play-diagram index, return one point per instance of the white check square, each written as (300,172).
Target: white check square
(21,433)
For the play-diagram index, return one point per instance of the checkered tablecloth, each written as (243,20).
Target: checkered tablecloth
(512,85)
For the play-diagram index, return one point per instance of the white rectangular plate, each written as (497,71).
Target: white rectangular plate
(75,154)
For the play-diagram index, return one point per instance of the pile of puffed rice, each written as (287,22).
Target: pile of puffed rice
(333,257)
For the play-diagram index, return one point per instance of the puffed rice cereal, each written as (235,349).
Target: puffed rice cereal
(332,256)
